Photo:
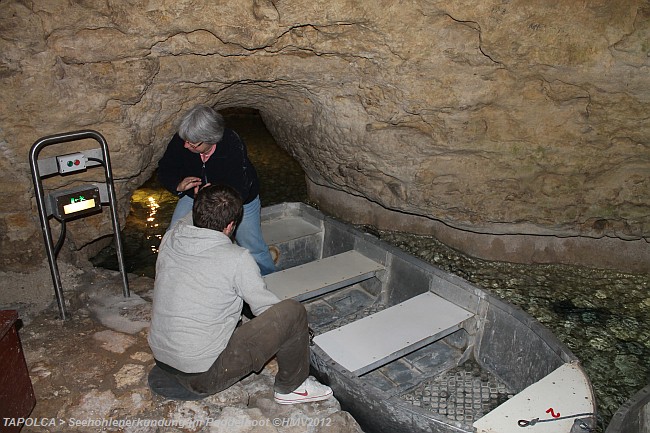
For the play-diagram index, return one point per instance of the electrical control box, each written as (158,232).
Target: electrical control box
(71,162)
(72,203)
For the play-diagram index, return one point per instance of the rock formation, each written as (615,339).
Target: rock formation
(499,117)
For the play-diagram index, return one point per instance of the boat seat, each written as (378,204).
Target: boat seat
(287,229)
(380,338)
(561,396)
(322,276)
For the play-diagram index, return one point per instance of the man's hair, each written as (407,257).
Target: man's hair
(201,124)
(216,206)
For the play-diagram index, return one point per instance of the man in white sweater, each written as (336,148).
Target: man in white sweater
(196,335)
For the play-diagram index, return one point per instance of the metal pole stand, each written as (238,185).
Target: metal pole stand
(73,203)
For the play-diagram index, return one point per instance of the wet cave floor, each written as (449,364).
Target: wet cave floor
(603,316)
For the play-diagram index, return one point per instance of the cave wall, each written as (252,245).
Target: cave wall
(500,117)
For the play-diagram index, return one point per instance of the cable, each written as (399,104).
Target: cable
(100,161)
(532,422)
(59,243)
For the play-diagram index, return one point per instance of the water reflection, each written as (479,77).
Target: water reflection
(602,316)
(151,210)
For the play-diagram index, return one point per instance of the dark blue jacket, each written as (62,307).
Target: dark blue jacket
(229,164)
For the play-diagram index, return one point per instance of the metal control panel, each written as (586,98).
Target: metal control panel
(71,162)
(75,202)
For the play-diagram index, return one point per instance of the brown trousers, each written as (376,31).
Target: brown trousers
(280,331)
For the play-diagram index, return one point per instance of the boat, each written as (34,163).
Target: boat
(408,347)
(634,415)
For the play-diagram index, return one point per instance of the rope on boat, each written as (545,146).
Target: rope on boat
(583,425)
(311,336)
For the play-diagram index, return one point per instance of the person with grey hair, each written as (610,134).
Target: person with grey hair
(203,152)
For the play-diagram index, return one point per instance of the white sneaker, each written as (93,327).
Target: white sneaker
(310,390)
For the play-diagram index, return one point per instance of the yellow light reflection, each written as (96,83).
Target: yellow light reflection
(153,210)
(151,220)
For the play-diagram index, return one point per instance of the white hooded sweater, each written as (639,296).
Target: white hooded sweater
(202,279)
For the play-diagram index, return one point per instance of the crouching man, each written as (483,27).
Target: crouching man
(202,281)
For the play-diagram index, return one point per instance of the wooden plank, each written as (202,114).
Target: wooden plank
(562,393)
(321,276)
(382,337)
(287,229)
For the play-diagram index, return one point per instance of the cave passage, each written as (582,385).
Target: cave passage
(281,180)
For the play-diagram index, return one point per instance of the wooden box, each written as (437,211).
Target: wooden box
(16,393)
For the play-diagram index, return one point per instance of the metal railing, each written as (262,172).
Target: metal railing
(47,208)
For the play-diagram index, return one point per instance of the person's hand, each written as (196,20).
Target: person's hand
(200,187)
(189,183)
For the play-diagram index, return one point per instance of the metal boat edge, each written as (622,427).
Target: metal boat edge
(634,415)
(522,355)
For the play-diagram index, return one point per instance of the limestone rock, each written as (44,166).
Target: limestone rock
(494,117)
(112,341)
(129,375)
(94,405)
(142,356)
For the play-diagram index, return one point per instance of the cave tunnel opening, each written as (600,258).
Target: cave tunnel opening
(281,180)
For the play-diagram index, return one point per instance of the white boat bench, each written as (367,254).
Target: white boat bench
(322,276)
(287,229)
(560,396)
(380,338)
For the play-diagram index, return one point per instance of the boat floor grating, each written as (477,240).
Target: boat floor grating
(340,308)
(461,393)
(464,393)
(408,372)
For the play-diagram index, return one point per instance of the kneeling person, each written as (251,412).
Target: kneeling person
(202,281)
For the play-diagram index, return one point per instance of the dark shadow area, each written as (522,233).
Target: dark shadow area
(281,177)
